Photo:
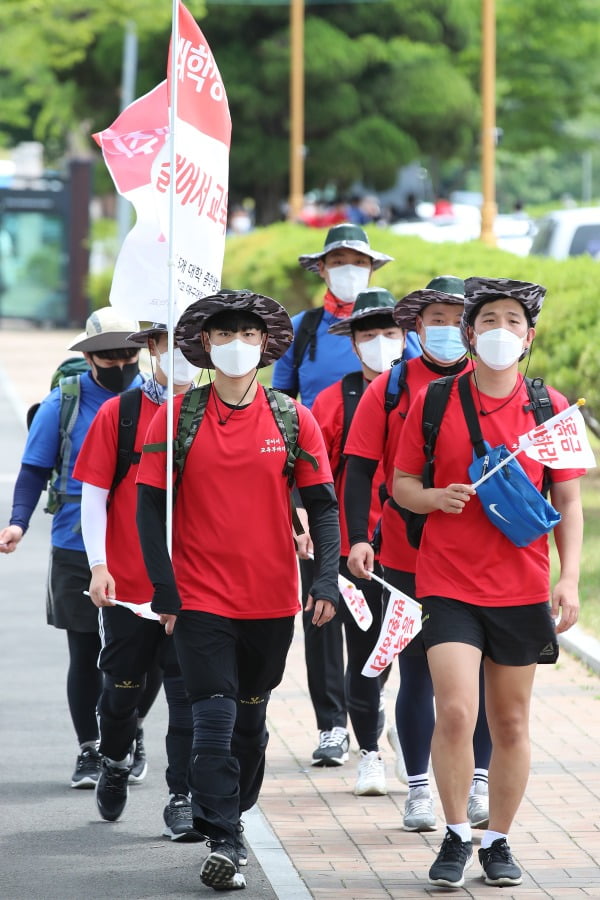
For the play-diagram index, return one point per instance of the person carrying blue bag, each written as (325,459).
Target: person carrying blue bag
(482,595)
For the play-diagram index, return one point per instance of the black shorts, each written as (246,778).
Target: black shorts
(130,645)
(66,605)
(238,658)
(508,635)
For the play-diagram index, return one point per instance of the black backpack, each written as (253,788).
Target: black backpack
(306,335)
(434,407)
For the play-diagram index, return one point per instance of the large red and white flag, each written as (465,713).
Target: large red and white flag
(137,152)
(560,442)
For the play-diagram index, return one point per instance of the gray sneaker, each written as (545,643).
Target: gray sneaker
(418,811)
(478,806)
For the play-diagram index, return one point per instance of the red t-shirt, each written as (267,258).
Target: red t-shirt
(328,410)
(96,464)
(375,435)
(233,548)
(465,556)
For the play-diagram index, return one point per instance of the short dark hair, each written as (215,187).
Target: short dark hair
(120,353)
(234,320)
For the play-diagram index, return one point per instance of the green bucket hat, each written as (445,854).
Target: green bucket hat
(370,302)
(442,289)
(188,331)
(346,235)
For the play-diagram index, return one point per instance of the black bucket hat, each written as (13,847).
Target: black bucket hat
(141,337)
(484,290)
(373,301)
(346,235)
(442,289)
(188,331)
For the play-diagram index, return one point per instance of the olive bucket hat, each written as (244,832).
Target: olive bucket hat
(351,236)
(442,289)
(373,301)
(483,290)
(188,331)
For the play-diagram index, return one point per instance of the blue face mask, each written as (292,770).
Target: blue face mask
(444,343)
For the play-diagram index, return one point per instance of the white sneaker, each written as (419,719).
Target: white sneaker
(371,775)
(418,811)
(478,809)
(394,742)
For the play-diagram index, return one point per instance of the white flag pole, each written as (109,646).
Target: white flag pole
(391,588)
(172,271)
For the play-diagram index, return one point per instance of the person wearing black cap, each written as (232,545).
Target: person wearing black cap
(377,342)
(483,596)
(435,314)
(50,454)
(230,593)
(131,645)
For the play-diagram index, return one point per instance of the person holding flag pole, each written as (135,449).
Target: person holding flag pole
(482,596)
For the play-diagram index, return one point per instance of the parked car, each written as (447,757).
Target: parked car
(568,232)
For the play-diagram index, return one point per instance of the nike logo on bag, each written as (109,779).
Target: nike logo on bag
(492,508)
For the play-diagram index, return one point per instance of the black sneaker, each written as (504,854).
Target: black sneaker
(179,822)
(140,763)
(112,790)
(333,747)
(240,845)
(220,869)
(499,868)
(87,769)
(454,858)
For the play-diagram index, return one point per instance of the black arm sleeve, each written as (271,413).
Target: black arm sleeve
(322,508)
(151,519)
(357,497)
(29,485)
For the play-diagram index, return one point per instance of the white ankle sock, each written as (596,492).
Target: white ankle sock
(489,837)
(463,830)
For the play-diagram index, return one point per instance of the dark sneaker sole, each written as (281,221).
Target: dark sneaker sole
(217,871)
(503,881)
(191,836)
(445,882)
(86,783)
(329,761)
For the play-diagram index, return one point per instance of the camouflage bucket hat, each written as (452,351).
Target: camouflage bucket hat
(141,337)
(371,302)
(351,236)
(188,331)
(442,289)
(484,290)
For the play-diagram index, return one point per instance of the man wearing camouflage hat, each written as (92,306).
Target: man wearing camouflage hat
(482,595)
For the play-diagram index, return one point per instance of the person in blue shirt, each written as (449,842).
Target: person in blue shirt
(113,362)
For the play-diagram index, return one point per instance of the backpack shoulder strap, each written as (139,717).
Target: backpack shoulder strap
(130,403)
(434,407)
(70,391)
(286,416)
(396,383)
(306,335)
(352,390)
(541,406)
(470,412)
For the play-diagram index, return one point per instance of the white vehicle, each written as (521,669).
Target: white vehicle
(568,232)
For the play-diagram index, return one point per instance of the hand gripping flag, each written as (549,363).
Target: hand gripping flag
(355,601)
(136,149)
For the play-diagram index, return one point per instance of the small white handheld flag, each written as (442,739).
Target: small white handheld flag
(402,622)
(561,442)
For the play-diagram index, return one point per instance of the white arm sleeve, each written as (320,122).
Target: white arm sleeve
(93,523)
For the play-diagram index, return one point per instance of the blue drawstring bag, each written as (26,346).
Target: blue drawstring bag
(510,500)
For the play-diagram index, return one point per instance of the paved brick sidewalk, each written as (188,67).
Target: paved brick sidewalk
(350,848)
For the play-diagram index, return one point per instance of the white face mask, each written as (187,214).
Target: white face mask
(499,348)
(183,371)
(236,358)
(380,352)
(345,282)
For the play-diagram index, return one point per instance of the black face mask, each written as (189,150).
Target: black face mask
(116,379)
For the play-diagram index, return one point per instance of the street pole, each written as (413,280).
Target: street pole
(488,120)
(128,80)
(296,197)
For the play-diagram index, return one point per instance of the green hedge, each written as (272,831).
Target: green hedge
(566,352)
